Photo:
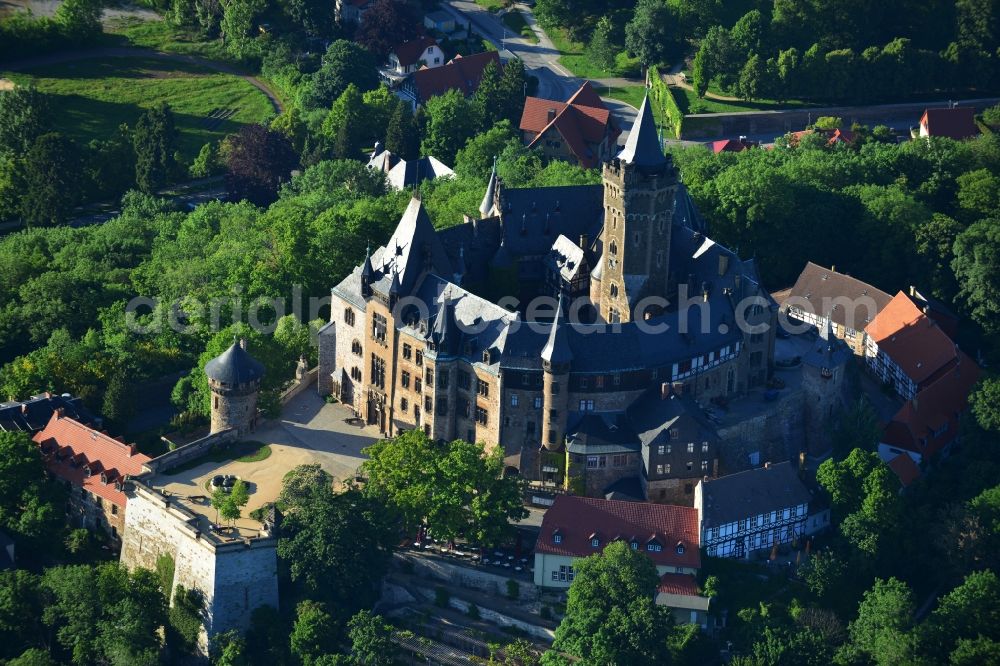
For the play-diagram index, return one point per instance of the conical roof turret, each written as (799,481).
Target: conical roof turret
(234,366)
(557,350)
(642,148)
(488,199)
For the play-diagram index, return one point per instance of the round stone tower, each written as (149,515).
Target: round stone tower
(823,373)
(234,379)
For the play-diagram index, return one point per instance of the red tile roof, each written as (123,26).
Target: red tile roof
(581,120)
(904,468)
(956,123)
(578,520)
(459,73)
(71,449)
(732,145)
(935,409)
(675,583)
(912,340)
(408,53)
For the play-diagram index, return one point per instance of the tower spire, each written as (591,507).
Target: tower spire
(643,145)
(488,199)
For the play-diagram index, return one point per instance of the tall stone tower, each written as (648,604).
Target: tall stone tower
(556,359)
(234,379)
(640,185)
(823,373)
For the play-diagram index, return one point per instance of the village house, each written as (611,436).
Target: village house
(577,527)
(733,145)
(579,131)
(415,54)
(822,295)
(94,466)
(401,173)
(460,73)
(957,122)
(755,511)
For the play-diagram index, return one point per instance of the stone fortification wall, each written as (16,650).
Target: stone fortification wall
(192,450)
(777,432)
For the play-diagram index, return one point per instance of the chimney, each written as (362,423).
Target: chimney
(584,241)
(243,344)
(723,264)
(767,465)
(665,390)
(833,268)
(550,115)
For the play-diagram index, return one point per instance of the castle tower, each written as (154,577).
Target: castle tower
(640,186)
(823,373)
(234,379)
(556,360)
(442,357)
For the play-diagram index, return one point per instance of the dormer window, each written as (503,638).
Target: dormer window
(634,545)
(654,546)
(680,548)
(556,536)
(595,542)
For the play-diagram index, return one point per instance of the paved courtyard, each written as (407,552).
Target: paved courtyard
(309,431)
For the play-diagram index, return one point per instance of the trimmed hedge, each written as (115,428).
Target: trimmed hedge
(663,97)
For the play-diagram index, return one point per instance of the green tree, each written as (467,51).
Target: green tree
(258,162)
(748,33)
(979,192)
(453,120)
(207,163)
(513,85)
(977,268)
(611,617)
(237,25)
(701,73)
(980,651)
(33,657)
(371,639)
(314,633)
(119,405)
(343,125)
(601,50)
(24,116)
(154,139)
(28,503)
(80,19)
(489,97)
(985,403)
(971,610)
(752,78)
(51,180)
(21,605)
(401,136)
(343,63)
(184,623)
(651,34)
(455,487)
(301,482)
(882,631)
(379,105)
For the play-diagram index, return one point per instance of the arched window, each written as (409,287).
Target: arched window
(614,290)
(613,248)
(356,348)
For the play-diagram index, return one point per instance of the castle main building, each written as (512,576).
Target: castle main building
(444,331)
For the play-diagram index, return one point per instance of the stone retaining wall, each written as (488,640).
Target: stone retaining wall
(191,450)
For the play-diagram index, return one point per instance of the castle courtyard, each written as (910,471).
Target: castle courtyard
(309,431)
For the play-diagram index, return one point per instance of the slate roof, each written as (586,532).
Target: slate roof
(33,414)
(819,285)
(642,148)
(828,351)
(579,519)
(234,366)
(534,217)
(413,238)
(912,340)
(408,53)
(653,416)
(750,493)
(600,433)
(956,123)
(628,489)
(556,350)
(459,73)
(71,449)
(582,121)
(566,257)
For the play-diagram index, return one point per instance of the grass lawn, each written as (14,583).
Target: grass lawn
(490,5)
(160,36)
(689,103)
(95,96)
(515,22)
(574,57)
(248,451)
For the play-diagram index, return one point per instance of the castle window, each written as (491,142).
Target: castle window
(586,405)
(619,460)
(443,380)
(599,382)
(404,380)
(114,509)
(483,387)
(529,428)
(554,387)
(659,469)
(428,405)
(356,374)
(690,466)
(407,351)
(552,436)
(661,449)
(349,316)
(653,547)
(618,379)
(690,447)
(637,238)
(595,542)
(216,402)
(613,248)
(659,259)
(464,380)
(538,403)
(704,447)
(583,382)
(482,416)
(378,371)
(680,548)
(442,406)
(614,290)
(704,465)
(666,468)
(420,358)
(418,385)
(430,377)
(356,348)
(379,327)
(404,404)
(513,400)
(634,545)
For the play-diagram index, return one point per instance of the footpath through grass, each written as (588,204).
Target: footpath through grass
(161,36)
(95,96)
(574,56)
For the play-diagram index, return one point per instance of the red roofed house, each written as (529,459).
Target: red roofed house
(906,348)
(733,145)
(577,527)
(928,423)
(417,53)
(580,130)
(958,122)
(94,466)
(459,73)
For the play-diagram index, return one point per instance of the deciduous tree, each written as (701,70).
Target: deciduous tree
(154,140)
(51,180)
(258,161)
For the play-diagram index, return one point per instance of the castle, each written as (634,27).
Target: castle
(442,330)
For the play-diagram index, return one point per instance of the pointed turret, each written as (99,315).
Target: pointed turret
(367,273)
(394,287)
(556,351)
(642,148)
(486,207)
(444,335)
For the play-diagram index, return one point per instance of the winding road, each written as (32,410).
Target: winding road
(130,52)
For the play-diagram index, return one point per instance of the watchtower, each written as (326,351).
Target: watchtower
(234,379)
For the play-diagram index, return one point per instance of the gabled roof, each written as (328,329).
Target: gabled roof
(459,73)
(956,123)
(71,450)
(732,145)
(407,173)
(576,519)
(653,415)
(905,469)
(911,339)
(413,241)
(408,53)
(820,286)
(234,366)
(642,148)
(600,433)
(566,257)
(583,120)
(674,583)
(751,493)
(33,414)
(935,409)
